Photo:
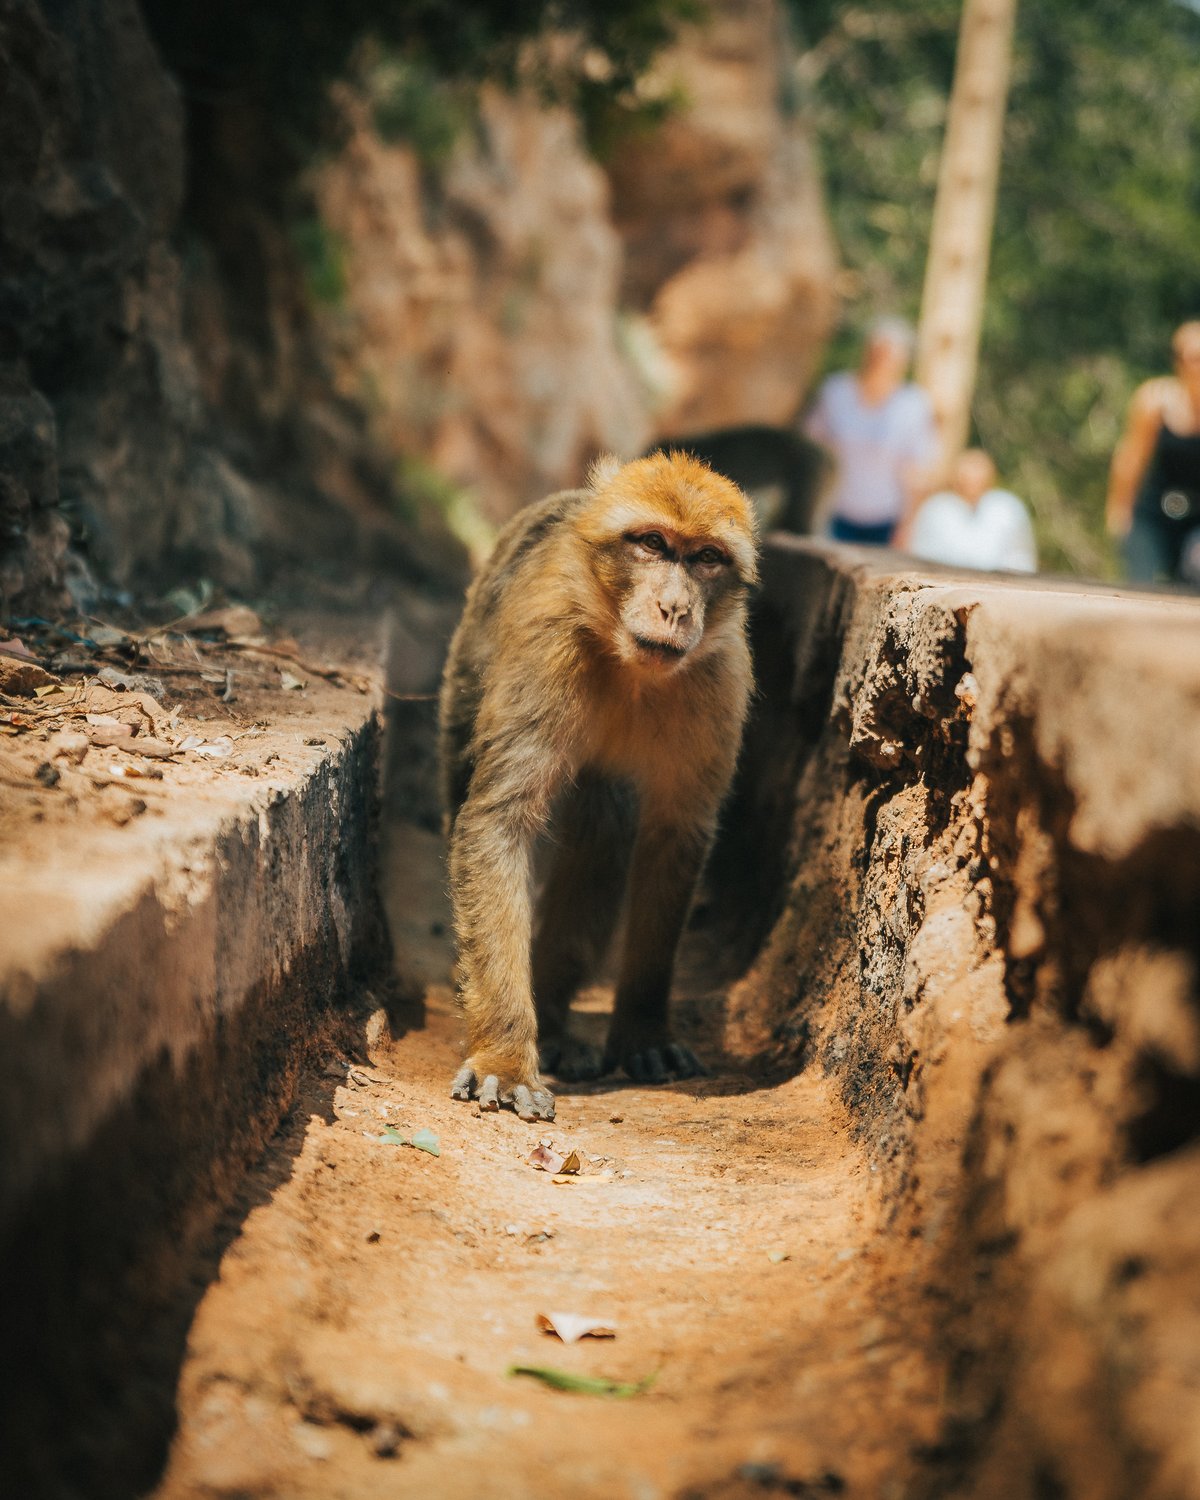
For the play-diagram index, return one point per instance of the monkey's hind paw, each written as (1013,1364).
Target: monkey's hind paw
(571,1060)
(529,1103)
(658,1064)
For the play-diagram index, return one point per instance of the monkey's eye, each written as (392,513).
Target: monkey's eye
(653,541)
(710,557)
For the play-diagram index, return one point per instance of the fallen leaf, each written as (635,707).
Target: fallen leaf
(47,689)
(290,682)
(777,1257)
(584,1385)
(426,1140)
(423,1140)
(571,1327)
(546,1159)
(196,744)
(14,647)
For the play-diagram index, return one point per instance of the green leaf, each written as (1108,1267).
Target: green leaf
(426,1140)
(584,1385)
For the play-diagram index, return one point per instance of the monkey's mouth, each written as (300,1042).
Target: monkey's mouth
(664,651)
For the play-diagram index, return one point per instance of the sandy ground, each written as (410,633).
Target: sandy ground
(358,1336)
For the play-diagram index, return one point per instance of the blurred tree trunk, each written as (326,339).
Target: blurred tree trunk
(956,271)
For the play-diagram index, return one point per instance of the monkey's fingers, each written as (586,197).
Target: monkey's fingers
(489,1093)
(572,1060)
(464,1082)
(683,1062)
(647,1067)
(533,1104)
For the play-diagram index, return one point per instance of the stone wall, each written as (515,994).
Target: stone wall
(982,799)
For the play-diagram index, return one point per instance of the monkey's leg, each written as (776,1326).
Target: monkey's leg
(593,834)
(666,866)
(489,878)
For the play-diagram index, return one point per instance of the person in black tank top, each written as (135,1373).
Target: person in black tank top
(1167,511)
(1154,487)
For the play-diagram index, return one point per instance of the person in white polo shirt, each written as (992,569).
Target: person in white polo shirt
(879,428)
(973,524)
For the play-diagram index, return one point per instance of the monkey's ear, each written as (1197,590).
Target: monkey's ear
(602,470)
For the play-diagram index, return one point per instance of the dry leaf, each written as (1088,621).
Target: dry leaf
(216,749)
(14,647)
(289,681)
(547,1159)
(571,1327)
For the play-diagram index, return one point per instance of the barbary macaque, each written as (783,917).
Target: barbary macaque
(594,696)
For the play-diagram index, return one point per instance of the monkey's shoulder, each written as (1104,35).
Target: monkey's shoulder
(529,530)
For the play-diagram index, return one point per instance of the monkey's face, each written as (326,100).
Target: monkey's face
(673,549)
(667,582)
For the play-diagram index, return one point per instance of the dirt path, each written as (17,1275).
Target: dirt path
(356,1340)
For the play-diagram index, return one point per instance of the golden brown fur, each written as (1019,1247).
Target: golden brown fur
(595,692)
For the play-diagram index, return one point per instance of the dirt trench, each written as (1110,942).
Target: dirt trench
(927,1232)
(358,1338)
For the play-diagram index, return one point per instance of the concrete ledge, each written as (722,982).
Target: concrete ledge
(163,980)
(981,797)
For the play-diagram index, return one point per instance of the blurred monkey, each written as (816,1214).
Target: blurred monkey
(595,692)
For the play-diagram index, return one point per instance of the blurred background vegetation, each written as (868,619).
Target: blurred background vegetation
(1095,250)
(1094,259)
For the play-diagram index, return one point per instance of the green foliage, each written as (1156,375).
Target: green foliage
(322,257)
(1094,258)
(410,103)
(283,57)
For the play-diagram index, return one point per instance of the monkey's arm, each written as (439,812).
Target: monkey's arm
(490,856)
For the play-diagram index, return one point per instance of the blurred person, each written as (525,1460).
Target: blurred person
(880,429)
(973,524)
(1154,484)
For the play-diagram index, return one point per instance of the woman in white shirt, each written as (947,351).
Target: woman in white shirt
(879,428)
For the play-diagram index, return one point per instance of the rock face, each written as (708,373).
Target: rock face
(108,432)
(481,312)
(99,384)
(505,314)
(520,310)
(728,251)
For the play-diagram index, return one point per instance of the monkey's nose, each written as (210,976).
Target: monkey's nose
(673,614)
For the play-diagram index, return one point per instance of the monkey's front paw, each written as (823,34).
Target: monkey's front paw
(570,1059)
(657,1064)
(530,1101)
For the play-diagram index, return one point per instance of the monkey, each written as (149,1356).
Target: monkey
(593,697)
(779,468)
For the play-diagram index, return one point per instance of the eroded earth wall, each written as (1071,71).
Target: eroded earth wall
(983,799)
